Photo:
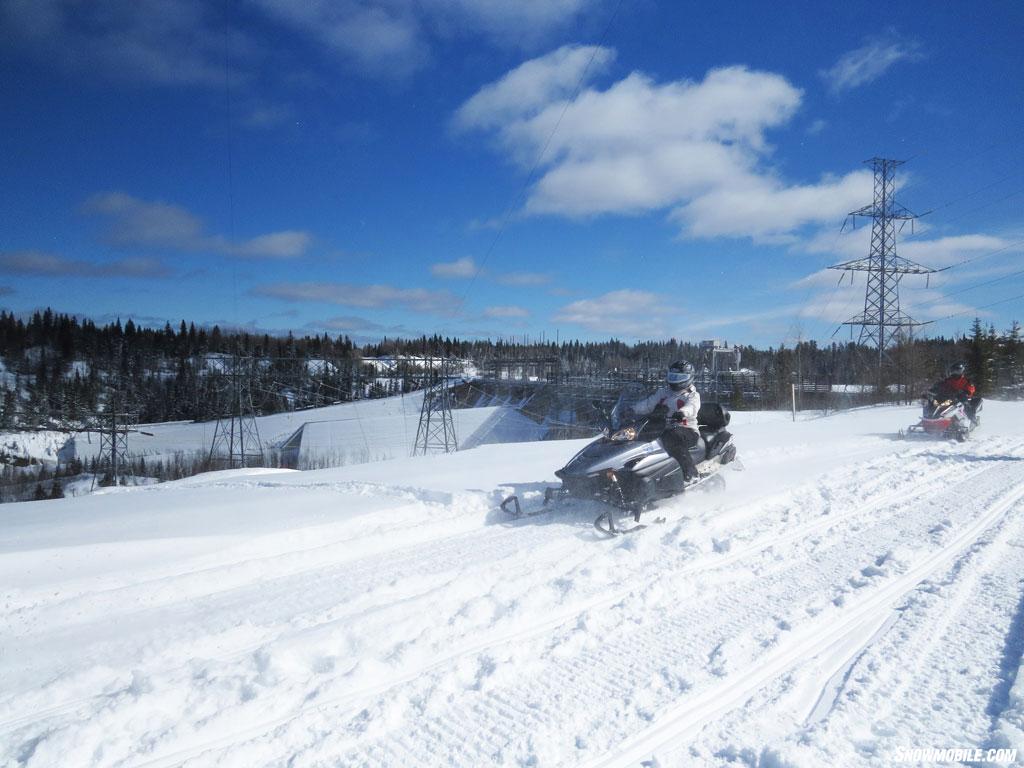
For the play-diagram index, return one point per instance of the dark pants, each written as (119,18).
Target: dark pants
(677,442)
(972,406)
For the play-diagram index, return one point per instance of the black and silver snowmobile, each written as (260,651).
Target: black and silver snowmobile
(628,469)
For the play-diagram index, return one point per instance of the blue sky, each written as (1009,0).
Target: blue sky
(495,168)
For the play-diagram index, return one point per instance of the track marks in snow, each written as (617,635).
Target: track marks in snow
(906,677)
(641,638)
(533,643)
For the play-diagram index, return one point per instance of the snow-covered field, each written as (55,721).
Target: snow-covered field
(347,433)
(846,596)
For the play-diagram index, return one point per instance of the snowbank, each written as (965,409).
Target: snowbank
(847,595)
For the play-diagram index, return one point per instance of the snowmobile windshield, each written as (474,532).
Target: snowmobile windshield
(622,413)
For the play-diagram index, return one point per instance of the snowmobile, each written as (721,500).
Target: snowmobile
(627,468)
(945,417)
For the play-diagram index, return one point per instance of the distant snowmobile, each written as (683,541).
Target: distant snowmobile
(628,469)
(945,417)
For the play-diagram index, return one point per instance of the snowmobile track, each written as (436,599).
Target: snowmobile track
(445,552)
(573,612)
(689,717)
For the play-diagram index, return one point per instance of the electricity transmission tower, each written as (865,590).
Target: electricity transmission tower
(883,322)
(236,439)
(436,430)
(113,428)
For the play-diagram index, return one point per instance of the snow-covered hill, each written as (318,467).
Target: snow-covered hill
(846,596)
(335,435)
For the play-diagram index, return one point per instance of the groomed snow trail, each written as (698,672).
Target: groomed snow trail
(847,595)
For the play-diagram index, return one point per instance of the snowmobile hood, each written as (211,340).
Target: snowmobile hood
(605,454)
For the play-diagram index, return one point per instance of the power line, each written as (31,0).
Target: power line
(982,256)
(230,158)
(975,309)
(972,193)
(943,296)
(540,157)
(1012,137)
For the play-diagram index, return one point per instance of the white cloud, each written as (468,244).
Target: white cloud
(944,251)
(524,278)
(276,245)
(727,320)
(508,21)
(506,312)
(379,38)
(181,42)
(697,149)
(155,224)
(768,210)
(629,313)
(532,85)
(460,268)
(43,264)
(869,62)
(165,42)
(351,324)
(264,116)
(366,296)
(139,222)
(833,298)
(393,38)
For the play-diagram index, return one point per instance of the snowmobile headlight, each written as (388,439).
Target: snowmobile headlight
(624,435)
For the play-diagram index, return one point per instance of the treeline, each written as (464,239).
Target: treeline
(59,367)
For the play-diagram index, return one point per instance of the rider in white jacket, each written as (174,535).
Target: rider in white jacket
(683,403)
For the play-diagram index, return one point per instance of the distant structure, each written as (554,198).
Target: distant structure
(436,430)
(236,439)
(113,428)
(718,356)
(882,322)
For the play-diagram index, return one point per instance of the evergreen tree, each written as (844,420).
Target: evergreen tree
(979,362)
(1010,357)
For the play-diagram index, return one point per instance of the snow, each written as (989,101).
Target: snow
(8,380)
(846,596)
(347,433)
(41,446)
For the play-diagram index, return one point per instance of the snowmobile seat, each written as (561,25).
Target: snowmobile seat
(712,417)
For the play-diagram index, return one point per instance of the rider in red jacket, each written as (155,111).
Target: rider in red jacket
(956,386)
(956,383)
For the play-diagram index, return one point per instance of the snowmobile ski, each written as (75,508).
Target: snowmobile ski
(511,506)
(605,522)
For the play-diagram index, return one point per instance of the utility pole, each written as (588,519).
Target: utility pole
(436,430)
(883,322)
(236,438)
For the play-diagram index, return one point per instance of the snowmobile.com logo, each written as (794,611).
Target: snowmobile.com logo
(934,755)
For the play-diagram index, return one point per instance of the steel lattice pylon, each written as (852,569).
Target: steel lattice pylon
(436,430)
(113,428)
(882,321)
(236,439)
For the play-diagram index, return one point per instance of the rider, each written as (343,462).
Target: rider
(683,402)
(956,386)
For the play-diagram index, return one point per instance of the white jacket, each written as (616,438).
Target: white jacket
(686,403)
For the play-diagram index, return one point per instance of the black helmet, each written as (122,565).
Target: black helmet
(680,375)
(957,369)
